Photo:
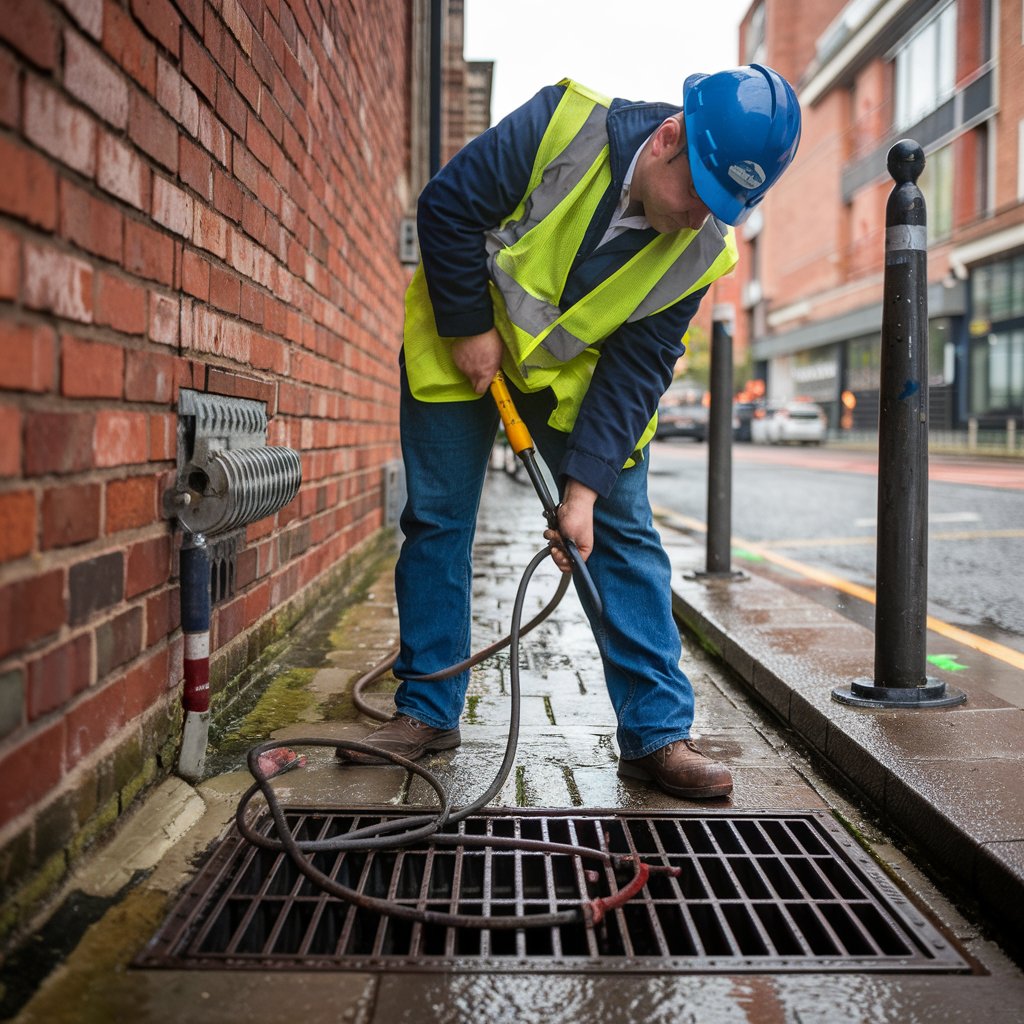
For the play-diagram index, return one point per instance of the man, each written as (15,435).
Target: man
(569,246)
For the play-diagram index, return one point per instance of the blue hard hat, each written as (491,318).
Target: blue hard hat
(742,130)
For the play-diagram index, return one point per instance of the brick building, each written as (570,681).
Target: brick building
(200,196)
(467,85)
(781,34)
(948,74)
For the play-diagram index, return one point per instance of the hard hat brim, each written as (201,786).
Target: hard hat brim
(691,81)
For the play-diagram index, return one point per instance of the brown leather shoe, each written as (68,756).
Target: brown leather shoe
(682,770)
(405,736)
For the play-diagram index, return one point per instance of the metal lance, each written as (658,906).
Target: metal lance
(901,572)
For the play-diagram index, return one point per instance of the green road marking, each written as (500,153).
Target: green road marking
(687,524)
(750,556)
(947,662)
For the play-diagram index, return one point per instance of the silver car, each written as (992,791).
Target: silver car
(795,422)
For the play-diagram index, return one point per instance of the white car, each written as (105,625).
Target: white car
(789,422)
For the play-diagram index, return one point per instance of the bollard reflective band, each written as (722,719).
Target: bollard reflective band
(900,237)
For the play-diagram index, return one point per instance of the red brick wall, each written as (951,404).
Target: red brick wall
(792,209)
(1006,200)
(804,236)
(201,194)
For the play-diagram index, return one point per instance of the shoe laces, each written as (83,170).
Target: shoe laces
(415,723)
(689,744)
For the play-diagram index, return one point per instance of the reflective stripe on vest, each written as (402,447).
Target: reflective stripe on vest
(530,256)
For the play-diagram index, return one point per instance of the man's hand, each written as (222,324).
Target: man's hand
(575,522)
(479,358)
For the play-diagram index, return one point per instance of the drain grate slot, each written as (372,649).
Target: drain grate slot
(755,892)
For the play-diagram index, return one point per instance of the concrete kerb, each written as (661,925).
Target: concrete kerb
(944,799)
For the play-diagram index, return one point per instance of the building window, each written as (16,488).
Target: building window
(926,68)
(997,374)
(936,183)
(863,363)
(997,290)
(940,351)
(997,338)
(815,375)
(754,40)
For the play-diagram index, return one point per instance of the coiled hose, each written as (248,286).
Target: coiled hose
(407,830)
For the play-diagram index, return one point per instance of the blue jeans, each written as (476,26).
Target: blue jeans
(446,448)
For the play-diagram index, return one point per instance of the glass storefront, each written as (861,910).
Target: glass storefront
(864,372)
(815,376)
(997,375)
(864,363)
(997,290)
(997,342)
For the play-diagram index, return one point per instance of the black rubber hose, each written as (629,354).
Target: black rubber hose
(412,829)
(406,830)
(387,663)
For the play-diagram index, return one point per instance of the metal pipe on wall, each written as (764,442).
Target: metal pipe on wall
(195,624)
(436,79)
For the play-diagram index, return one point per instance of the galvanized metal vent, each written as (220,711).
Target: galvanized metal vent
(756,893)
(223,565)
(228,476)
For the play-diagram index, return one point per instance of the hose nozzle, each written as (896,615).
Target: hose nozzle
(519,438)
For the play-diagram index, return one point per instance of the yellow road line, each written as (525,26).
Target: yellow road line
(960,636)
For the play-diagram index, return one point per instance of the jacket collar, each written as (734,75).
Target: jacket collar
(629,125)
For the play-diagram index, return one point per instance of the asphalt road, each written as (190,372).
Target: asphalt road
(816,508)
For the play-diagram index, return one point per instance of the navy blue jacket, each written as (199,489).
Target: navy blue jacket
(483,184)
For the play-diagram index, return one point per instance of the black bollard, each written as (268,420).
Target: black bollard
(719,504)
(901,570)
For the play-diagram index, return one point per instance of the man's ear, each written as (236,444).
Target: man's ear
(667,138)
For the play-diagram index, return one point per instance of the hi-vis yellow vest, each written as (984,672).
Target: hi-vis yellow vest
(529,258)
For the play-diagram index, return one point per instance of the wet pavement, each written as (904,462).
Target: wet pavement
(951,780)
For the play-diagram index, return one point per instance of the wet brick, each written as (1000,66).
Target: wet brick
(15,858)
(12,700)
(55,825)
(95,585)
(117,771)
(118,641)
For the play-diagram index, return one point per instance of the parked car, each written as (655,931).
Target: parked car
(682,413)
(743,414)
(792,422)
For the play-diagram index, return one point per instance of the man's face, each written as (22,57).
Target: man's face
(666,189)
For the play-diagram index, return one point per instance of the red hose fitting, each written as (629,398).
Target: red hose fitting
(595,910)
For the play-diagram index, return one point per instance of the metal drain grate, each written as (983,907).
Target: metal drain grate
(757,892)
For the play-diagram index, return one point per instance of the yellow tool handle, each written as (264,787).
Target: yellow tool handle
(516,430)
(522,444)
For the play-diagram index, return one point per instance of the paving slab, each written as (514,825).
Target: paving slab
(566,759)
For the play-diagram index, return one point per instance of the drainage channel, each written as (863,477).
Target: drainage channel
(757,892)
